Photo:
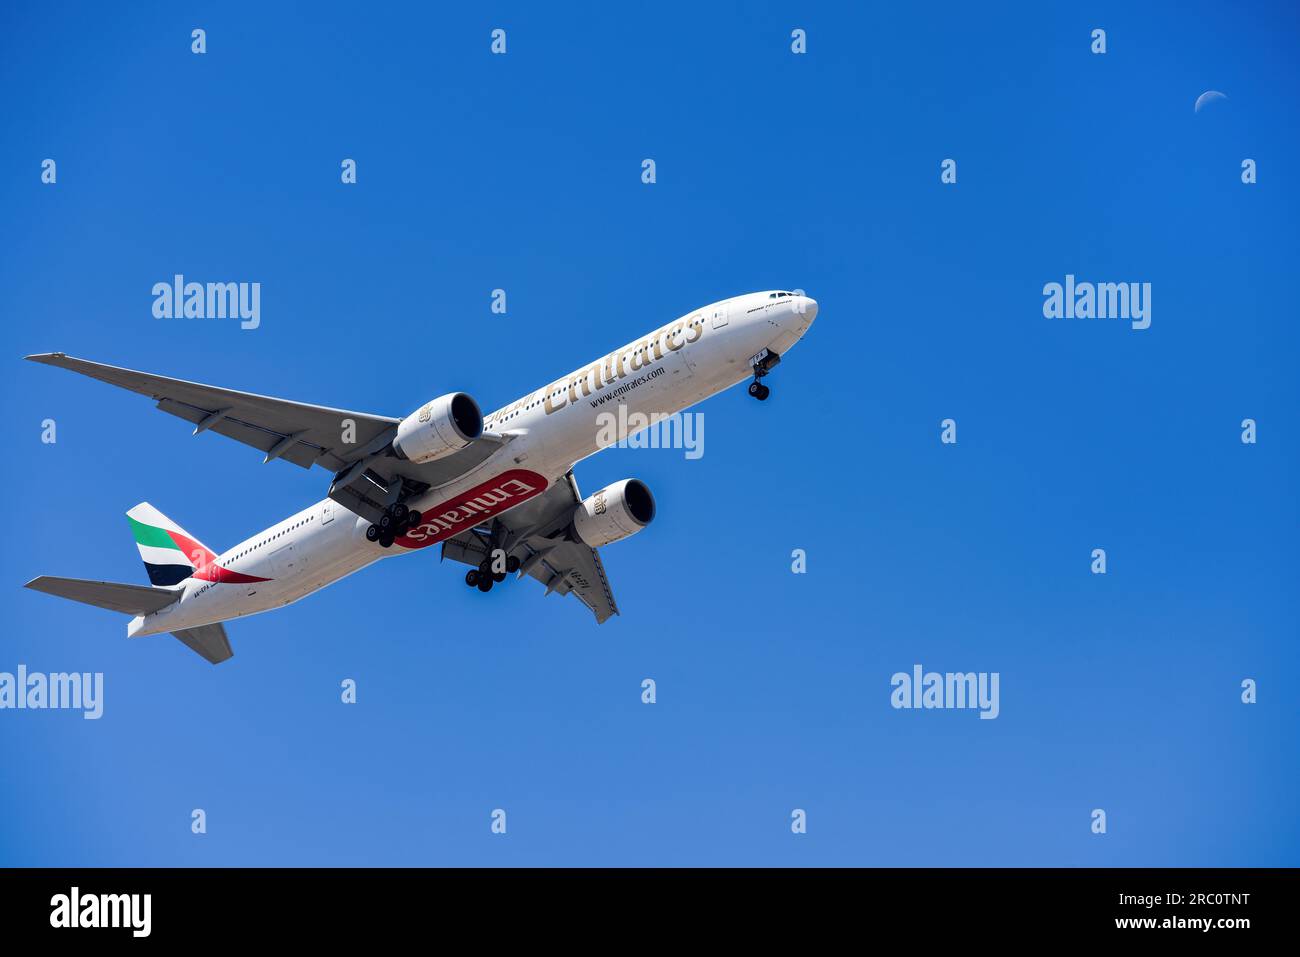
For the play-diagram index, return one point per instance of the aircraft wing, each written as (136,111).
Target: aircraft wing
(303,434)
(300,433)
(536,533)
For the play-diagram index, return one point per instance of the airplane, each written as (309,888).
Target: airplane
(497,492)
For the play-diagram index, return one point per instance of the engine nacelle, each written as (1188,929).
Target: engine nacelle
(615,512)
(445,425)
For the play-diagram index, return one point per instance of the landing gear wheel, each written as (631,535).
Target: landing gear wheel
(512,564)
(414,518)
(385,522)
(372,533)
(471,577)
(498,577)
(754,387)
(400,512)
(485,584)
(485,567)
(762,392)
(386,539)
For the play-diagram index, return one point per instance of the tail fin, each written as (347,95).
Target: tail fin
(170,553)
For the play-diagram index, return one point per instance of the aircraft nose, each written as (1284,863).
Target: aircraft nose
(805,311)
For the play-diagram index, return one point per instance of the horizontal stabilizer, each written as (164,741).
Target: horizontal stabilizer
(128,599)
(208,640)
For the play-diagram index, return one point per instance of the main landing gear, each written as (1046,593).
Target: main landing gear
(762,364)
(483,577)
(396,520)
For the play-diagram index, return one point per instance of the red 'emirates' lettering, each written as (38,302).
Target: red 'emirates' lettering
(471,507)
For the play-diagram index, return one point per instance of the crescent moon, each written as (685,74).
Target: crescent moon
(1207,97)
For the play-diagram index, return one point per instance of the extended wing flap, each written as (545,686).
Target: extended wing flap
(573,568)
(467,548)
(301,453)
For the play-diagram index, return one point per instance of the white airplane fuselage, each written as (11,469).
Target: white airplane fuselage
(549,430)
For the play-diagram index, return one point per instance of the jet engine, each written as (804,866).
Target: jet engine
(614,513)
(438,428)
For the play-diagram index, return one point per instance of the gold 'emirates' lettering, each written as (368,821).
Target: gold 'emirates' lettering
(618,364)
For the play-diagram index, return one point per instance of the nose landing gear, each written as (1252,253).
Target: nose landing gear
(762,364)
(396,520)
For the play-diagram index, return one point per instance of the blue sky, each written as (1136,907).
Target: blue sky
(775,170)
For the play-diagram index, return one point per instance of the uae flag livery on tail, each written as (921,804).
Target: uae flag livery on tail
(170,553)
